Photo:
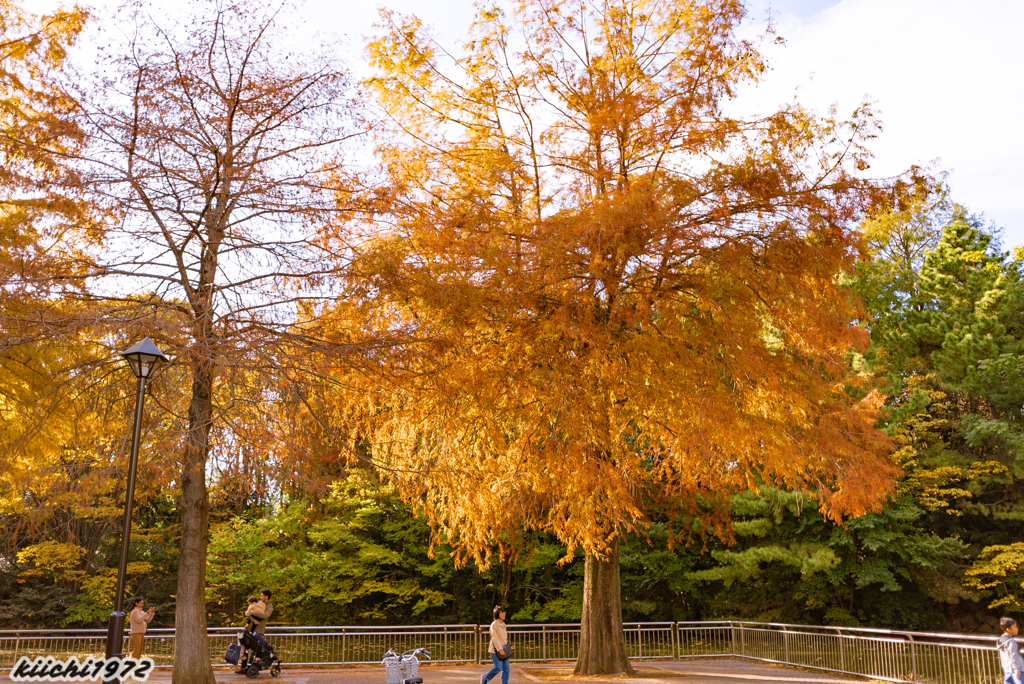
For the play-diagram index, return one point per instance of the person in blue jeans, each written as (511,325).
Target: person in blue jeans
(1009,652)
(499,642)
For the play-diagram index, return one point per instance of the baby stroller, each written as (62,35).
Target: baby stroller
(402,669)
(259,654)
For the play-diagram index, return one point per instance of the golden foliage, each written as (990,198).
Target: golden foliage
(41,217)
(1000,567)
(620,299)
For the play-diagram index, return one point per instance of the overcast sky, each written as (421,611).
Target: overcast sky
(946,75)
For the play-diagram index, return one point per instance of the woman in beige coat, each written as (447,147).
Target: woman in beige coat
(499,642)
(139,619)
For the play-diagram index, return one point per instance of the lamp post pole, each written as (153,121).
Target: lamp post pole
(115,627)
(143,359)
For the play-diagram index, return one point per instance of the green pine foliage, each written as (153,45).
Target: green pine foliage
(790,564)
(948,341)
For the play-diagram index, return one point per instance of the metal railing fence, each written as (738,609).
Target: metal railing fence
(913,657)
(888,655)
(534,643)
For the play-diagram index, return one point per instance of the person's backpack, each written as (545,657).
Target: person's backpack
(234,653)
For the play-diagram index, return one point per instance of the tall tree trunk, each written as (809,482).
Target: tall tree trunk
(191,649)
(602,647)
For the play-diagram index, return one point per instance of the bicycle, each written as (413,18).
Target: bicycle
(403,669)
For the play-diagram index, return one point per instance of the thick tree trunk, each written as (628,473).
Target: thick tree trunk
(191,649)
(602,647)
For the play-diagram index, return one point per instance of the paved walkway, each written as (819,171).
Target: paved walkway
(724,671)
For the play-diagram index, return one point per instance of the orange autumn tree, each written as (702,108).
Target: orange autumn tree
(619,298)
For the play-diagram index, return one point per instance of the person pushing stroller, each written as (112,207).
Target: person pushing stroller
(256,615)
(261,654)
(264,615)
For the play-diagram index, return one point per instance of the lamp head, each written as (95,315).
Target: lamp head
(144,358)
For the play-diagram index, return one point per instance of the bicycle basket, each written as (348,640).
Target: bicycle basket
(410,666)
(393,667)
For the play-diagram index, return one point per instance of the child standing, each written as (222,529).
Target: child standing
(1009,652)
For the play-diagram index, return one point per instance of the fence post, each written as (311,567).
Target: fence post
(343,631)
(785,642)
(544,642)
(842,650)
(446,644)
(732,633)
(913,658)
(477,649)
(743,640)
(675,641)
(640,641)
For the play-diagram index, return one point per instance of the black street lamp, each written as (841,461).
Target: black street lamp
(144,359)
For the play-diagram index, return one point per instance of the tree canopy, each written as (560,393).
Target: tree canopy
(619,299)
(576,340)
